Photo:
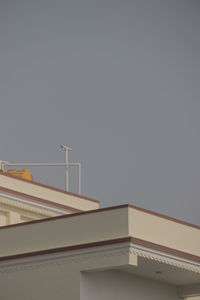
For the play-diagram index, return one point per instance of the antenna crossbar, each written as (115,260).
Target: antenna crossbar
(4,164)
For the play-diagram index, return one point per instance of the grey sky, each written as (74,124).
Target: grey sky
(119,82)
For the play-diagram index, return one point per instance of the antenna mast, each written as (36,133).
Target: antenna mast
(4,164)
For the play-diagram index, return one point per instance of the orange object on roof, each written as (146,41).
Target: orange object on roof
(23,174)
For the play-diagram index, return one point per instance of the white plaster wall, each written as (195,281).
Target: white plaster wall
(64,281)
(48,282)
(116,285)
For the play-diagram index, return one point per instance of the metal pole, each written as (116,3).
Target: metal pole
(33,164)
(79,179)
(2,163)
(66,170)
(66,165)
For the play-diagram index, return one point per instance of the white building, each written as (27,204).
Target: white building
(24,200)
(77,251)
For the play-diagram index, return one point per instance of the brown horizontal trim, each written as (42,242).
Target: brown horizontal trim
(101,210)
(49,187)
(67,248)
(103,243)
(164,249)
(164,216)
(64,216)
(108,208)
(47,202)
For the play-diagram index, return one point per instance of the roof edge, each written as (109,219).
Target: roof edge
(103,243)
(164,216)
(165,249)
(64,216)
(44,201)
(49,187)
(100,210)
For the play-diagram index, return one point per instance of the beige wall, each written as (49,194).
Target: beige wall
(80,229)
(26,208)
(63,280)
(57,280)
(54,276)
(12,215)
(4,217)
(19,209)
(100,226)
(115,285)
(51,282)
(47,193)
(162,231)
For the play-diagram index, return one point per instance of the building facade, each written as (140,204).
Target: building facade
(87,253)
(25,200)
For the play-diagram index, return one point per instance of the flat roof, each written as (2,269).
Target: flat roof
(104,243)
(101,210)
(49,193)
(146,227)
(47,202)
(49,187)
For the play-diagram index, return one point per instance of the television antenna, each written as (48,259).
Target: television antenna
(4,164)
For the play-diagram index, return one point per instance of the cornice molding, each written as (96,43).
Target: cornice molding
(95,254)
(58,259)
(29,206)
(48,187)
(165,258)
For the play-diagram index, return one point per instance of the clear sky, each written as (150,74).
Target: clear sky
(119,82)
